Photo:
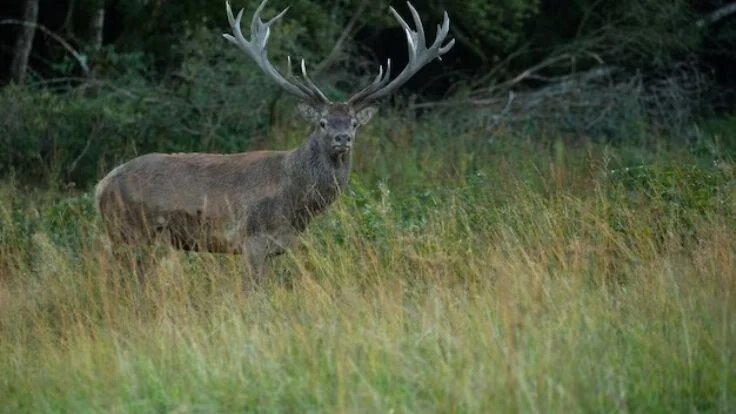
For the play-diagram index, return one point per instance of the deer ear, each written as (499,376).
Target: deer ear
(365,114)
(308,112)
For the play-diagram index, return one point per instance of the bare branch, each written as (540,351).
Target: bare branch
(351,27)
(80,58)
(498,118)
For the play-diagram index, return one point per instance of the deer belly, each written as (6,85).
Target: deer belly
(195,232)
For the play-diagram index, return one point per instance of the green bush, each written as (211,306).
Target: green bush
(75,135)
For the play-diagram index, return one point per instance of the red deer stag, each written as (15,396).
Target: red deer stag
(253,203)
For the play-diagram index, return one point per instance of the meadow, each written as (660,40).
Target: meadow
(466,270)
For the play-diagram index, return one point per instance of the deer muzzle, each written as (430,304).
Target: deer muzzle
(342,143)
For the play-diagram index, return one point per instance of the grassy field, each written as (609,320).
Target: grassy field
(470,272)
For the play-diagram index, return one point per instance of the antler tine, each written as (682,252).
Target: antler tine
(442,32)
(410,35)
(256,49)
(418,24)
(419,56)
(256,20)
(311,84)
(380,81)
(290,75)
(235,25)
(310,88)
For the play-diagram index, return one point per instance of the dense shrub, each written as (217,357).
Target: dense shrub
(201,107)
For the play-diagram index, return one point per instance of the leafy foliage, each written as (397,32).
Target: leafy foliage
(72,136)
(491,29)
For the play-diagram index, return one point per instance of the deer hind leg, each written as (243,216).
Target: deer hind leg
(130,264)
(136,259)
(135,246)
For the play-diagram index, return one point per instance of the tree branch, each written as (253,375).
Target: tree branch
(80,58)
(347,32)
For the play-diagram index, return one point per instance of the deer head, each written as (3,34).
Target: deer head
(336,123)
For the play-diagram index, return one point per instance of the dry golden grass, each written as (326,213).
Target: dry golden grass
(551,287)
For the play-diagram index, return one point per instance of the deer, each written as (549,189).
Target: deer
(254,203)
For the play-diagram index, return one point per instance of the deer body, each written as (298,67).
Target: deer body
(253,203)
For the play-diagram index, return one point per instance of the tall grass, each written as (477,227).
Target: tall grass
(490,275)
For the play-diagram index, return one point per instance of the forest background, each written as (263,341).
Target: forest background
(545,221)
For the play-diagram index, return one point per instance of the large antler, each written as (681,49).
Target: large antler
(419,55)
(256,49)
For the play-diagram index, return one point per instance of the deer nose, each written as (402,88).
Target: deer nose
(342,139)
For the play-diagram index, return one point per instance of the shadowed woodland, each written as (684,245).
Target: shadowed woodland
(544,221)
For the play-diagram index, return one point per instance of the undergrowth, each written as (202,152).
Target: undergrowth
(461,272)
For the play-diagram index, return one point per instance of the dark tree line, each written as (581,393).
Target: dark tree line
(510,34)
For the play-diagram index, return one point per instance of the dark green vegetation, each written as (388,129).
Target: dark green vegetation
(163,79)
(559,258)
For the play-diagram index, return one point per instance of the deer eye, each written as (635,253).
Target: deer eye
(355,124)
(322,123)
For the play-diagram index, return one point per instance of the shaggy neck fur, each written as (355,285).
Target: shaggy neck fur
(317,178)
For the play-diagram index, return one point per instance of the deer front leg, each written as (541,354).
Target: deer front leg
(258,248)
(254,257)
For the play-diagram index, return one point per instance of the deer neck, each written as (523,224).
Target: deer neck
(316,176)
